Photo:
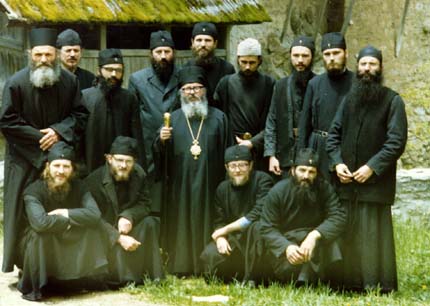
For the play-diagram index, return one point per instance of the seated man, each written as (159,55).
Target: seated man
(120,190)
(301,219)
(62,240)
(238,203)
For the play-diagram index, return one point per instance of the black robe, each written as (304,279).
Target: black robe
(284,113)
(287,220)
(54,246)
(85,78)
(232,203)
(323,97)
(112,116)
(187,210)
(25,111)
(133,204)
(246,102)
(214,73)
(375,135)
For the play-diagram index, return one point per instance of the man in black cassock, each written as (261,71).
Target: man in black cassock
(70,46)
(121,192)
(190,154)
(281,132)
(323,96)
(114,111)
(367,137)
(156,89)
(245,98)
(301,220)
(41,105)
(61,240)
(204,40)
(238,204)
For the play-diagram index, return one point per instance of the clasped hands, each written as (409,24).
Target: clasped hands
(127,242)
(361,175)
(297,255)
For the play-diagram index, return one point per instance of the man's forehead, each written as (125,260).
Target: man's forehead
(300,49)
(123,156)
(308,168)
(43,49)
(59,162)
(240,161)
(113,66)
(203,37)
(192,85)
(369,59)
(71,47)
(333,50)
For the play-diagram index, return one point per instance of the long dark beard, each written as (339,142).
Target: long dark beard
(206,60)
(163,69)
(305,194)
(366,90)
(301,78)
(107,88)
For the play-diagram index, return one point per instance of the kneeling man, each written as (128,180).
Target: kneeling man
(120,190)
(301,219)
(62,240)
(238,203)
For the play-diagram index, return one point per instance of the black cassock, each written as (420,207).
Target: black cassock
(85,78)
(283,117)
(111,116)
(287,220)
(25,111)
(129,200)
(246,102)
(57,247)
(322,99)
(232,203)
(187,210)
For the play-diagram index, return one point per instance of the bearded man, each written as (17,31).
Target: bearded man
(61,240)
(281,131)
(156,88)
(324,94)
(301,220)
(367,137)
(121,191)
(192,148)
(114,111)
(41,105)
(204,41)
(238,204)
(245,98)
(70,46)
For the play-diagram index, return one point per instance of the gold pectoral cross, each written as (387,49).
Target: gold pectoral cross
(195,149)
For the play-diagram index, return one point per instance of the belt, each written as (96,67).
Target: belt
(321,133)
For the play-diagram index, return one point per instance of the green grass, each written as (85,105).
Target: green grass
(413,263)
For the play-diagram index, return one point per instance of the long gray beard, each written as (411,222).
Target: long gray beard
(196,108)
(45,76)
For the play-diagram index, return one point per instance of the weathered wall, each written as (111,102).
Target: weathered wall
(372,22)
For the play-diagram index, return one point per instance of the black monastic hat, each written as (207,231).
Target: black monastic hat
(306,157)
(205,28)
(161,39)
(124,145)
(304,41)
(43,37)
(68,37)
(333,40)
(110,56)
(237,152)
(61,150)
(192,74)
(370,51)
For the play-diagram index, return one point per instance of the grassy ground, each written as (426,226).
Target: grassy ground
(413,262)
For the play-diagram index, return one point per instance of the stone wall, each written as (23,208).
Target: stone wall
(372,22)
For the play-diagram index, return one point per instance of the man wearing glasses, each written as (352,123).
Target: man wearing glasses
(238,203)
(121,191)
(192,150)
(113,111)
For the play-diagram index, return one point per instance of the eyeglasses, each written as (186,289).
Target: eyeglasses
(110,69)
(196,89)
(240,166)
